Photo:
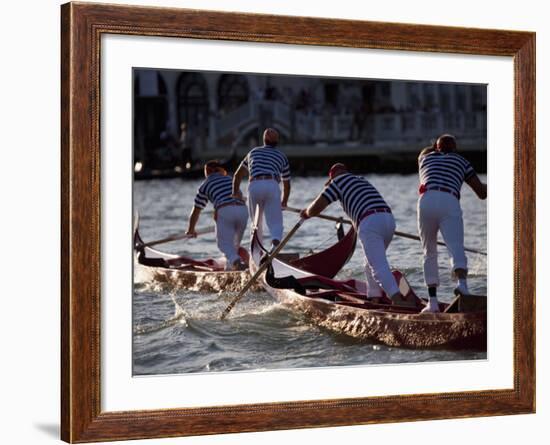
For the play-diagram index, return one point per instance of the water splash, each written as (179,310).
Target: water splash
(180,317)
(210,307)
(142,275)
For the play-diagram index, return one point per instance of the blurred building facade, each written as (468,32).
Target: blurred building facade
(182,117)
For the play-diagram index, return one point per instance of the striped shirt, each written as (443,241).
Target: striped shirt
(217,189)
(267,160)
(356,194)
(449,170)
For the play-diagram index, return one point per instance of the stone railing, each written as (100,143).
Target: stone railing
(310,127)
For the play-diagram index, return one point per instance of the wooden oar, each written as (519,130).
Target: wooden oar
(397,232)
(262,268)
(178,236)
(327,217)
(417,238)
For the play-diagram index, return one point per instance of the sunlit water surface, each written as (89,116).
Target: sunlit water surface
(178,331)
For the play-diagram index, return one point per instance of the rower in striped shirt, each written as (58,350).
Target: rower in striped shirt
(266,166)
(373,220)
(230,213)
(442,172)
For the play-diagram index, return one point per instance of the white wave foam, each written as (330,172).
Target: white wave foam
(180,317)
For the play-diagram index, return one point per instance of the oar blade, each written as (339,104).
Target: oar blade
(243,291)
(261,269)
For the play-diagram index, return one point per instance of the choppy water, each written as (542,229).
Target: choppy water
(178,331)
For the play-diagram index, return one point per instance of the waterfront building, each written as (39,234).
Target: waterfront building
(185,117)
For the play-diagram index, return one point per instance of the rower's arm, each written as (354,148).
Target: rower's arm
(479,188)
(237,178)
(317,206)
(286,193)
(193,218)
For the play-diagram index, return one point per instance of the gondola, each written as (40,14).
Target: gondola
(342,307)
(209,275)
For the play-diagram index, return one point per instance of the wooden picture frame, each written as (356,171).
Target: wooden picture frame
(82,26)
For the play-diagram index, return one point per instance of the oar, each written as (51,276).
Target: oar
(417,238)
(327,217)
(178,236)
(262,268)
(397,232)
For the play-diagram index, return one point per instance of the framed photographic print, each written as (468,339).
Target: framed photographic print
(279,222)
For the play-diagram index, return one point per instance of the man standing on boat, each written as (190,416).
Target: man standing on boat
(442,172)
(230,213)
(266,166)
(373,221)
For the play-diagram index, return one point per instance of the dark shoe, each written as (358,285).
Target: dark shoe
(274,245)
(377,300)
(238,265)
(400,300)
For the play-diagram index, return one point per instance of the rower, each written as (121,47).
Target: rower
(373,221)
(266,167)
(442,172)
(230,213)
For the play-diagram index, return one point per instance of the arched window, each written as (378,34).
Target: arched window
(161,85)
(233,91)
(193,108)
(150,117)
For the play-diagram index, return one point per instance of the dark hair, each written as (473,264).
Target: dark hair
(216,166)
(271,137)
(213,164)
(446,143)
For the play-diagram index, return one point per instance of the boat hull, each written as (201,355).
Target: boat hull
(392,326)
(200,281)
(418,331)
(209,275)
(192,280)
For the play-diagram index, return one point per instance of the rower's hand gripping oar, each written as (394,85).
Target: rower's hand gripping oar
(177,236)
(397,232)
(262,268)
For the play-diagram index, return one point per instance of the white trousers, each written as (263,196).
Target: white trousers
(230,226)
(267,194)
(440,211)
(376,232)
